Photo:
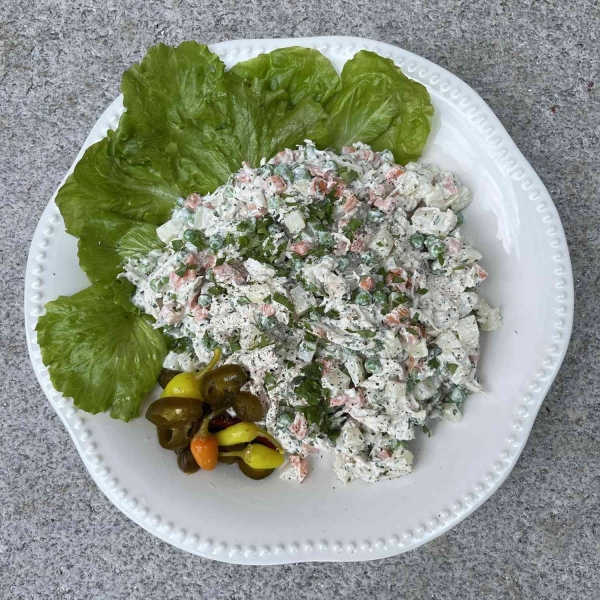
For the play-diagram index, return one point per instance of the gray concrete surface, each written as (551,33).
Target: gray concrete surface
(537,63)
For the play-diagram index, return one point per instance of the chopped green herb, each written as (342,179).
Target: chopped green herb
(364,333)
(264,341)
(234,345)
(180,271)
(347,174)
(270,381)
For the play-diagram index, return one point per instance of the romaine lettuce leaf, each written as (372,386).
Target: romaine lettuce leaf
(103,354)
(378,105)
(301,72)
(108,240)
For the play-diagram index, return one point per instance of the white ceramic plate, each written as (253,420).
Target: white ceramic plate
(223,515)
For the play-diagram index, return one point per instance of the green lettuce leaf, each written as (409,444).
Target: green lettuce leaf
(103,354)
(103,182)
(378,105)
(260,123)
(194,124)
(174,87)
(108,240)
(301,72)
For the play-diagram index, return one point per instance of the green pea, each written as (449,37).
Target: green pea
(342,263)
(204,300)
(285,419)
(460,219)
(283,171)
(300,174)
(268,322)
(373,365)
(434,245)
(363,298)
(298,264)
(267,170)
(216,241)
(326,239)
(457,395)
(368,257)
(375,216)
(417,240)
(273,203)
(331,166)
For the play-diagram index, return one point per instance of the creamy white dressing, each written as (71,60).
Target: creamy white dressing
(343,284)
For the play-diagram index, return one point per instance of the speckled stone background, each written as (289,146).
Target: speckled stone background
(537,64)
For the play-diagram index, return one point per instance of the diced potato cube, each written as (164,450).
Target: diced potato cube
(460,375)
(447,340)
(391,348)
(451,412)
(336,381)
(249,337)
(294,221)
(257,292)
(418,349)
(355,368)
(382,242)
(306,351)
(461,199)
(303,300)
(489,318)
(168,231)
(395,389)
(434,221)
(434,197)
(205,218)
(468,331)
(425,389)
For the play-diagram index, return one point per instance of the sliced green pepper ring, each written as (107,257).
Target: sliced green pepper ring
(248,407)
(220,384)
(174,411)
(176,439)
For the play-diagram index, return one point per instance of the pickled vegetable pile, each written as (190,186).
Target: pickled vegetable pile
(191,418)
(343,286)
